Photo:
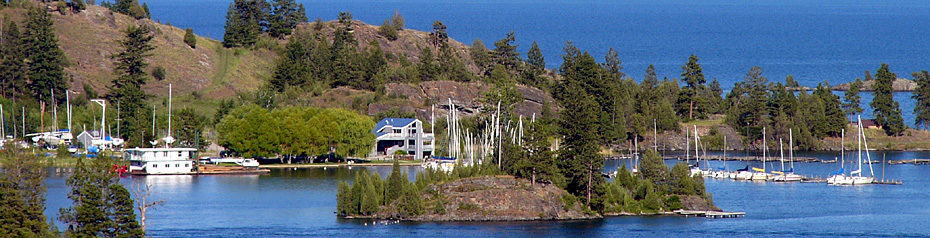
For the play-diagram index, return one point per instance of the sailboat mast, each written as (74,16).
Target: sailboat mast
(859,137)
(763,148)
(791,148)
(169,110)
(697,159)
(842,148)
(781,149)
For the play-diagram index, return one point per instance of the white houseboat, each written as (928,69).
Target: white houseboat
(149,161)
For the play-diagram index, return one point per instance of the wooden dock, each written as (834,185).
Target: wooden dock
(888,182)
(909,161)
(748,158)
(710,214)
(216,169)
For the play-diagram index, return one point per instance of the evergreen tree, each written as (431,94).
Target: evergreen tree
(834,119)
(395,184)
(46,60)
(22,194)
(121,213)
(922,96)
(131,77)
(580,160)
(189,38)
(12,61)
(693,76)
(292,68)
(650,80)
(78,5)
(189,128)
(285,15)
(397,21)
(438,35)
(479,53)
(852,98)
(101,206)
(387,30)
(612,63)
(505,52)
(245,22)
(653,168)
(535,59)
(886,110)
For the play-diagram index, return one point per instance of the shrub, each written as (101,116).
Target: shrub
(189,38)
(158,73)
(388,31)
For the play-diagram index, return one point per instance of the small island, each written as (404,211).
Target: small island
(485,193)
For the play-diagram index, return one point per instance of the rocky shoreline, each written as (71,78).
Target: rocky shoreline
(505,198)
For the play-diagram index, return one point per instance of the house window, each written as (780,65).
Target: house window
(396,131)
(179,154)
(177,165)
(413,131)
(187,165)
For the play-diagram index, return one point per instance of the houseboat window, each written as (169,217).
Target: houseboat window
(187,165)
(166,154)
(154,165)
(177,165)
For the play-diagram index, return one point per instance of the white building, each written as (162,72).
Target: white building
(402,134)
(160,160)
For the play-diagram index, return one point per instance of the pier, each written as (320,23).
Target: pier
(710,214)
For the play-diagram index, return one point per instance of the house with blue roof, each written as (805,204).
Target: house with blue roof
(402,134)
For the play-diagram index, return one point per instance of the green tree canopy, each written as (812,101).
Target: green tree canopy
(886,110)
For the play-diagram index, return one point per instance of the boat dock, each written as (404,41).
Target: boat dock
(710,214)
(217,169)
(910,161)
(748,158)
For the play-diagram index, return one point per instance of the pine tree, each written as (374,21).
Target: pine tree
(189,38)
(852,98)
(45,57)
(395,184)
(121,213)
(535,59)
(922,96)
(650,81)
(580,160)
(397,21)
(693,76)
(292,67)
(612,63)
(286,14)
(505,52)
(387,30)
(22,195)
(886,110)
(12,61)
(131,77)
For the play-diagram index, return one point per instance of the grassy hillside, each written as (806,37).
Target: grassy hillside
(90,37)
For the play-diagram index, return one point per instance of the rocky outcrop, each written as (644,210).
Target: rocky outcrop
(899,85)
(497,198)
(696,203)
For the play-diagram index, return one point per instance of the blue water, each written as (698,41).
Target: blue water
(301,202)
(814,40)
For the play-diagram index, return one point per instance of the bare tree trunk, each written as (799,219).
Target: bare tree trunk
(142,192)
(691,110)
(588,192)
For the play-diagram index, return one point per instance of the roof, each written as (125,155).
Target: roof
(393,122)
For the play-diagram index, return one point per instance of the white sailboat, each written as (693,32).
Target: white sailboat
(855,177)
(787,175)
(760,174)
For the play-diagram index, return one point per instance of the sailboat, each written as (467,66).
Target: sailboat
(760,174)
(722,173)
(787,175)
(696,169)
(855,177)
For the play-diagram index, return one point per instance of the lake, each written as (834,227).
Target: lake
(301,202)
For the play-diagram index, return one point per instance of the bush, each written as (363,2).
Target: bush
(189,38)
(158,73)
(388,31)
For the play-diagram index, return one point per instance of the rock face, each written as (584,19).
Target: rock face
(696,203)
(499,198)
(898,85)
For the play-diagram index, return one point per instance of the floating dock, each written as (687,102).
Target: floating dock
(710,214)
(216,169)
(910,161)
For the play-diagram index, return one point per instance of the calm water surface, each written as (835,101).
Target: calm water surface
(301,202)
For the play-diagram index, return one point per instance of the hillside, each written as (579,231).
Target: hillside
(90,37)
